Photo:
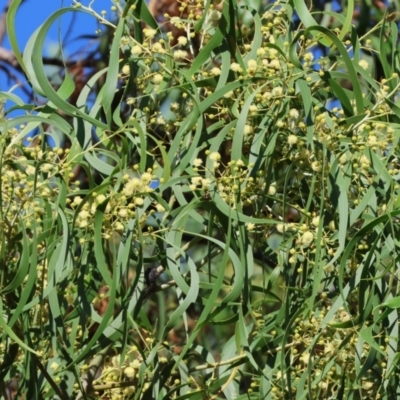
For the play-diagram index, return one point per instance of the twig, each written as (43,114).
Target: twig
(49,379)
(113,385)
(90,375)
(8,56)
(243,356)
(3,21)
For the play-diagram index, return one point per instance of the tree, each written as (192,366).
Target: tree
(204,225)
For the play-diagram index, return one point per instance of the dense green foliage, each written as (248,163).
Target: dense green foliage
(211,156)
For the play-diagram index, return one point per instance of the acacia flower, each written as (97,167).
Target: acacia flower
(216,71)
(272,190)
(119,226)
(277,91)
(250,226)
(308,57)
(174,106)
(131,186)
(54,366)
(205,183)
(228,95)
(372,140)
(126,69)
(158,48)
(77,200)
(100,198)
(178,54)
(253,108)
(149,33)
(130,372)
(365,162)
(293,113)
(135,364)
(268,15)
(160,208)
(139,201)
(248,129)
(292,139)
(272,53)
(315,221)
(196,180)
(316,166)
(136,50)
(252,66)
(261,51)
(176,21)
(275,64)
(235,67)
(83,223)
(123,213)
(363,64)
(343,158)
(307,238)
(84,214)
(46,167)
(215,156)
(30,170)
(157,79)
(182,41)
(281,228)
(266,96)
(215,15)
(146,177)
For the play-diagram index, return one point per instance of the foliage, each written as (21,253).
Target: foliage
(206,227)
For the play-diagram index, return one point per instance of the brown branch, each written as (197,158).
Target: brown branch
(92,372)
(8,56)
(3,24)
(50,380)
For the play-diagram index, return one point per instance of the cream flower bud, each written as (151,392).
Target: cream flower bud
(250,226)
(160,208)
(182,41)
(149,33)
(235,67)
(292,139)
(252,66)
(126,69)
(216,71)
(157,79)
(315,221)
(307,238)
(363,64)
(215,156)
(316,166)
(136,50)
(293,113)
(277,91)
(215,15)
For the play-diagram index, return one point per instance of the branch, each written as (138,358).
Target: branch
(242,357)
(7,55)
(3,18)
(92,372)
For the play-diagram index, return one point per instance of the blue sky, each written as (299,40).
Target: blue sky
(33,13)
